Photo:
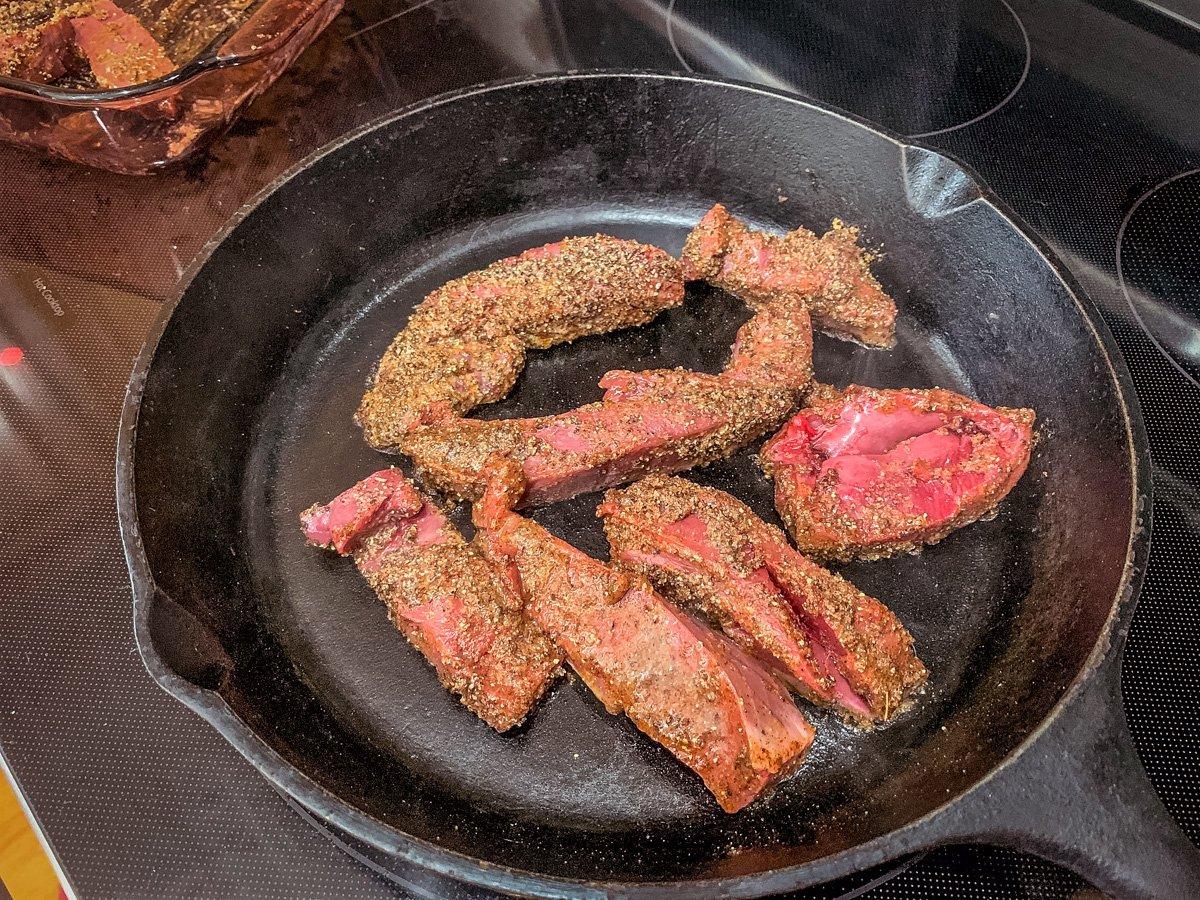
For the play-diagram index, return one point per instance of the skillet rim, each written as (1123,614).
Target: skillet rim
(291,781)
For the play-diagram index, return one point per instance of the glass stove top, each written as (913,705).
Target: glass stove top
(1080,116)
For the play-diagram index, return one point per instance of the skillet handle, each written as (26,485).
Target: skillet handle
(1080,797)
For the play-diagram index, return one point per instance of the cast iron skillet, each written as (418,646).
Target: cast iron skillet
(239,416)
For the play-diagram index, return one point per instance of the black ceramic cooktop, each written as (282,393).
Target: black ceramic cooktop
(1081,116)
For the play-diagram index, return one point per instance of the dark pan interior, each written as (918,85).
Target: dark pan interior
(246,419)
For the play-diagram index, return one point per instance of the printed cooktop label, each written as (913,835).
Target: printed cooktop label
(34,304)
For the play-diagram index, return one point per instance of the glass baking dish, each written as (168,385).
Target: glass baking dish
(147,126)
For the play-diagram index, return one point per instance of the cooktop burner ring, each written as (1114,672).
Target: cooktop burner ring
(1007,97)
(894,118)
(1164,258)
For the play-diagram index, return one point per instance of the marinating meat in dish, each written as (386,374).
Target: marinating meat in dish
(118,48)
(442,593)
(831,273)
(663,420)
(704,549)
(867,472)
(47,40)
(465,344)
(38,49)
(720,712)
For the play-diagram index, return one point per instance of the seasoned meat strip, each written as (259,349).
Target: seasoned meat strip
(37,41)
(465,344)
(43,40)
(683,685)
(41,54)
(658,421)
(704,549)
(662,420)
(831,273)
(443,595)
(867,472)
(119,49)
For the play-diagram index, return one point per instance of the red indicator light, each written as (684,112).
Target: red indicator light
(10,356)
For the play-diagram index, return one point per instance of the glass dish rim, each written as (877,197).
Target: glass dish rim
(209,59)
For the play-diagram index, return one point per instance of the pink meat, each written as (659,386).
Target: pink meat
(655,421)
(774,348)
(831,274)
(862,431)
(607,445)
(686,687)
(426,528)
(750,600)
(43,54)
(658,421)
(444,595)
(705,549)
(340,524)
(119,49)
(867,472)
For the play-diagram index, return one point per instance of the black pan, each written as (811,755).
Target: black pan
(239,415)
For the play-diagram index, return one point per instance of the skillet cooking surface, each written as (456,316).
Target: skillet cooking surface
(573,762)
(246,419)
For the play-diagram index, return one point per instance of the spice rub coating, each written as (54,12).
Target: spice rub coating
(45,40)
(37,40)
(442,593)
(118,48)
(465,343)
(831,273)
(706,550)
(662,420)
(868,472)
(720,712)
